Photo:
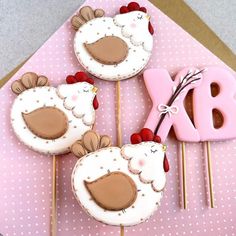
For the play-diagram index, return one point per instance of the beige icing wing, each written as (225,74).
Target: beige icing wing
(114,191)
(109,50)
(46,122)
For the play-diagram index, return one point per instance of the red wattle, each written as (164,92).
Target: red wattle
(166,164)
(150,28)
(95,103)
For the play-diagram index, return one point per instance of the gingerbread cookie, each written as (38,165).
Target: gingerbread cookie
(114,184)
(113,48)
(48,119)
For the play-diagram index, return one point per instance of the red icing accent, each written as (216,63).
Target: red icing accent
(146,134)
(143,136)
(134,6)
(135,138)
(143,9)
(166,164)
(124,9)
(70,79)
(150,28)
(157,139)
(80,76)
(95,103)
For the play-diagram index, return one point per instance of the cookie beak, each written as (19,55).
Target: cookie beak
(94,89)
(148,17)
(164,147)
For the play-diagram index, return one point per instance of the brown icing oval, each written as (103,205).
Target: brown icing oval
(114,191)
(46,122)
(109,50)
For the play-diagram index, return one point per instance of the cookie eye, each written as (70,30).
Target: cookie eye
(140,17)
(85,89)
(153,150)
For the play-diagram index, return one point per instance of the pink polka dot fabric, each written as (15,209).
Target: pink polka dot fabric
(25,176)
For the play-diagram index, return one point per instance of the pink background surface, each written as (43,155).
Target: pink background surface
(25,176)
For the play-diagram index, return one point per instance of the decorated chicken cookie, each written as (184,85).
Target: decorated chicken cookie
(113,48)
(49,119)
(114,184)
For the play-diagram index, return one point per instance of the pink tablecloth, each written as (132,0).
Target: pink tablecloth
(25,176)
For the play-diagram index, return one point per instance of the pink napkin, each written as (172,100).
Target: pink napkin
(25,176)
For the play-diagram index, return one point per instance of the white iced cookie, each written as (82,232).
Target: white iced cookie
(48,119)
(114,184)
(113,48)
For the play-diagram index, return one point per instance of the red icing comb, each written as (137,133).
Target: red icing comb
(80,76)
(134,6)
(144,135)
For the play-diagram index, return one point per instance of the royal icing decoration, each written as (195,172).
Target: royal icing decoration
(49,119)
(167,109)
(113,184)
(113,48)
(114,191)
(41,122)
(213,103)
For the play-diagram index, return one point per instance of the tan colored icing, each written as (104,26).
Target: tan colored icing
(105,141)
(46,122)
(78,149)
(85,14)
(99,13)
(114,191)
(42,81)
(90,142)
(27,81)
(108,50)
(17,87)
(77,21)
